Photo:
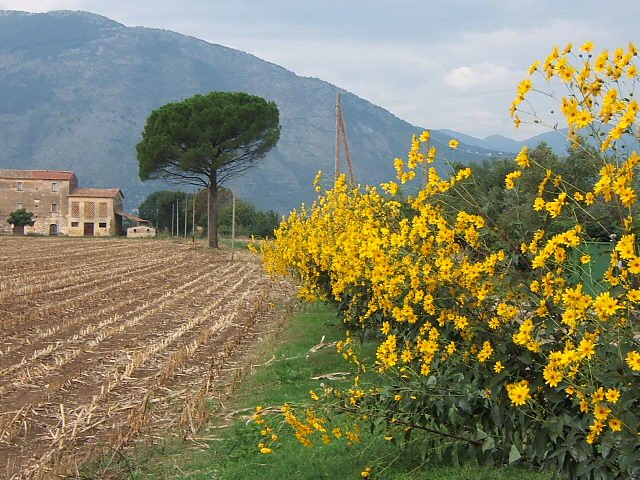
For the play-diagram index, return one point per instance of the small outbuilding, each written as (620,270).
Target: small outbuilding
(142,228)
(141,231)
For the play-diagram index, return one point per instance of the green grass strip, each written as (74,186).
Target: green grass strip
(286,376)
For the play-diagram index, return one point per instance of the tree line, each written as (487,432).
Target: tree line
(171,208)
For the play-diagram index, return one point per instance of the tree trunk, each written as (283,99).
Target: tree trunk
(212,211)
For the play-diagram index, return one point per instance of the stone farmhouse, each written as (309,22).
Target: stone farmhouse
(59,206)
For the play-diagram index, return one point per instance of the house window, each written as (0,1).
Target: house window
(54,186)
(18,205)
(75,224)
(102,224)
(20,186)
(75,209)
(102,209)
(89,209)
(54,208)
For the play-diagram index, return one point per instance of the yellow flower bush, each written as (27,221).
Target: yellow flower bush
(507,359)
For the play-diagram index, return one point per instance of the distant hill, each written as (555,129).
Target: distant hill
(76,89)
(499,142)
(556,140)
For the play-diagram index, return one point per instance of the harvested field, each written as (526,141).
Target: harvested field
(103,341)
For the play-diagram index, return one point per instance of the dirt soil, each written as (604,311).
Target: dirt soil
(106,341)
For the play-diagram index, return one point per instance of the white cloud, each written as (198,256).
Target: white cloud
(428,64)
(482,75)
(42,5)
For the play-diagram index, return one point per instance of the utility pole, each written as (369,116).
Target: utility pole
(177,217)
(233,218)
(172,218)
(186,212)
(193,222)
(336,170)
(341,140)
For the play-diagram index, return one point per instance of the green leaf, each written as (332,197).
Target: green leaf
(453,415)
(480,434)
(496,417)
(464,405)
(540,444)
(514,455)
(488,444)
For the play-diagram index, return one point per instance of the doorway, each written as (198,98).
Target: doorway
(88,229)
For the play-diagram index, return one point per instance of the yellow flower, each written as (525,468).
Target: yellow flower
(634,295)
(586,348)
(485,353)
(627,196)
(406,356)
(634,265)
(522,159)
(518,392)
(453,144)
(587,47)
(612,395)
(317,180)
(627,246)
(451,348)
(633,360)
(615,424)
(264,449)
(589,198)
(498,367)
(585,259)
(509,179)
(584,406)
(605,305)
(366,472)
(552,375)
(534,66)
(598,396)
(601,412)
(601,61)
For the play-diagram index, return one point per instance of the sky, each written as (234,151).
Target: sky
(451,64)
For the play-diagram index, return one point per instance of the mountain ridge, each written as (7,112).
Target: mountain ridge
(76,89)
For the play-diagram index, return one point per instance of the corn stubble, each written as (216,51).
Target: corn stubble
(106,342)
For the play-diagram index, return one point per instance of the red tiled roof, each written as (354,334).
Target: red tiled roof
(132,217)
(37,174)
(96,192)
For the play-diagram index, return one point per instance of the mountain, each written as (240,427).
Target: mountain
(502,143)
(556,140)
(466,139)
(76,89)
